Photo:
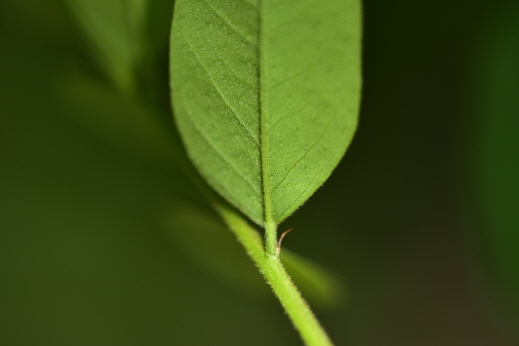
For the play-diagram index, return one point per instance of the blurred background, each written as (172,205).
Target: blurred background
(103,241)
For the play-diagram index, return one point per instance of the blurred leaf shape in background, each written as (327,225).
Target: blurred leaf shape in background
(131,125)
(210,243)
(116,31)
(494,148)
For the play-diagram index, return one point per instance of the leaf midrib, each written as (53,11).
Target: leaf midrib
(270,224)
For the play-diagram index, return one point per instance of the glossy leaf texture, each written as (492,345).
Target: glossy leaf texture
(266,96)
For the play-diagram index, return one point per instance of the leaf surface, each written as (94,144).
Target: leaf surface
(265,95)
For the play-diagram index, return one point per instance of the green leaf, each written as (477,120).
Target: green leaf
(116,31)
(266,96)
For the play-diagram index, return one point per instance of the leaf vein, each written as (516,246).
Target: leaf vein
(237,75)
(278,121)
(230,24)
(302,157)
(309,185)
(300,14)
(297,74)
(218,152)
(220,93)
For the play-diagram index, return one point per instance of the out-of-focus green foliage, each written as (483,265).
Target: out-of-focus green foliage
(123,121)
(494,146)
(210,243)
(116,30)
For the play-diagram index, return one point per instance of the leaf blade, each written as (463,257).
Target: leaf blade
(273,119)
(314,73)
(225,148)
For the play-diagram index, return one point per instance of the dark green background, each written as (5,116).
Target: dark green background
(420,219)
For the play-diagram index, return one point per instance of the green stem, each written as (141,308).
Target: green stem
(274,272)
(271,239)
(271,267)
